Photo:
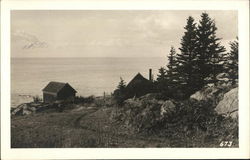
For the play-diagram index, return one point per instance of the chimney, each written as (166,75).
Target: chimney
(150,75)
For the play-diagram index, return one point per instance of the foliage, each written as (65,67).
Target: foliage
(120,93)
(187,60)
(232,62)
(172,72)
(166,80)
(162,75)
(81,99)
(210,52)
(36,99)
(201,59)
(160,84)
(192,124)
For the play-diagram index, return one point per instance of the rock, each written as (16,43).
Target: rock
(149,96)
(167,108)
(228,106)
(211,92)
(131,103)
(222,77)
(29,108)
(144,113)
(19,109)
(32,109)
(205,93)
(23,109)
(26,112)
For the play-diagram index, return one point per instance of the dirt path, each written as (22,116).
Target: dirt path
(76,122)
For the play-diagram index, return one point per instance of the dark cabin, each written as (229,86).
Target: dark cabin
(58,91)
(139,85)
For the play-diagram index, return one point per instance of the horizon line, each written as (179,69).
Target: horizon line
(89,57)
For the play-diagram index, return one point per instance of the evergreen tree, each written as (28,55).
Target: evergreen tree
(232,62)
(210,52)
(120,92)
(162,75)
(187,60)
(165,80)
(122,85)
(172,77)
(161,85)
(171,62)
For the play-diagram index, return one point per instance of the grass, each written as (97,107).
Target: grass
(93,127)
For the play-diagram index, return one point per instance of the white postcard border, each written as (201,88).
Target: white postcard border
(146,153)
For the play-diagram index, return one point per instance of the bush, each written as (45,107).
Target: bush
(194,113)
(119,97)
(36,99)
(80,99)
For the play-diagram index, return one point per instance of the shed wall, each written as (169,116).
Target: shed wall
(48,98)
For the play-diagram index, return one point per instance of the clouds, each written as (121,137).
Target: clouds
(107,33)
(29,41)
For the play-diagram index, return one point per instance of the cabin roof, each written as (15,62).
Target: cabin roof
(137,78)
(55,87)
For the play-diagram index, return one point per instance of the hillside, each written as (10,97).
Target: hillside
(141,122)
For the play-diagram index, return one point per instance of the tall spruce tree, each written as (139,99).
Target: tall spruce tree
(187,59)
(166,79)
(171,67)
(232,62)
(172,76)
(171,62)
(209,51)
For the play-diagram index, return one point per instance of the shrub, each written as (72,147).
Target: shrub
(36,99)
(120,94)
(80,99)
(119,97)
(194,113)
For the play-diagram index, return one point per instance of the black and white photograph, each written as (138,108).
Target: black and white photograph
(124,78)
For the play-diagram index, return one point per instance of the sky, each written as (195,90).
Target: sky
(108,33)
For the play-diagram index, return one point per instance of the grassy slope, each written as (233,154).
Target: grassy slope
(86,128)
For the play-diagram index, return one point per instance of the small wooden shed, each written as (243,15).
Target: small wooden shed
(58,91)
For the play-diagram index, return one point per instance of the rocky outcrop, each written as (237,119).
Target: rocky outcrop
(29,108)
(144,113)
(211,92)
(228,106)
(149,96)
(20,110)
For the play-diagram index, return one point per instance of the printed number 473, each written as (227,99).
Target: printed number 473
(226,143)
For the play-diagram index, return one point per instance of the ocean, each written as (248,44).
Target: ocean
(89,76)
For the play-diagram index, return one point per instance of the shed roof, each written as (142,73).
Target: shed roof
(55,87)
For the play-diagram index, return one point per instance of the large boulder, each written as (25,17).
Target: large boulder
(228,106)
(205,93)
(29,108)
(211,92)
(23,109)
(167,109)
(132,102)
(144,113)
(19,109)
